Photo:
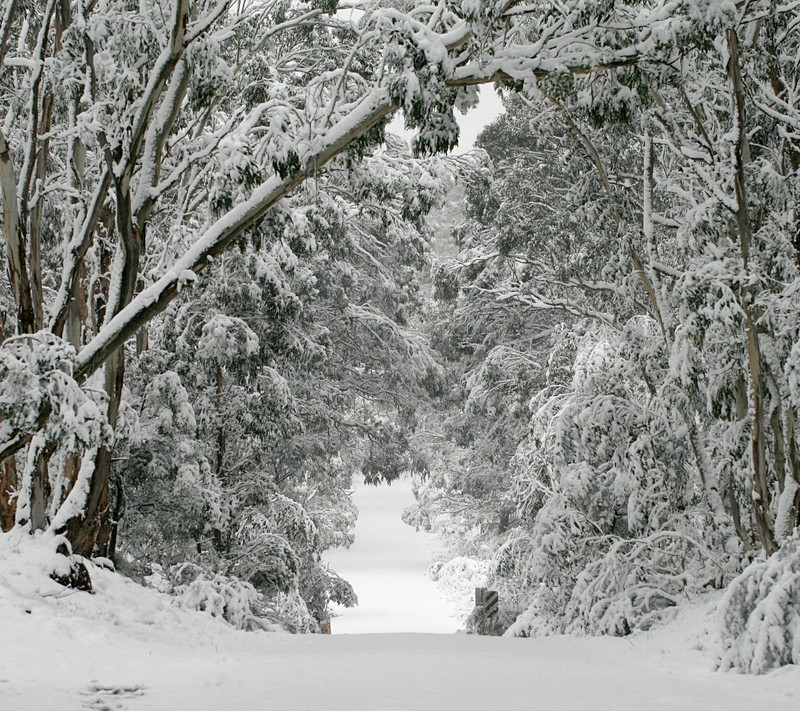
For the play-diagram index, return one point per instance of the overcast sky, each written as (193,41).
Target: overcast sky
(489,108)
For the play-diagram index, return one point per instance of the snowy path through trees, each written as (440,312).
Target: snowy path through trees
(387,566)
(128,648)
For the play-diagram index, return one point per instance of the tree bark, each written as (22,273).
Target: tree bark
(90,531)
(761,492)
(40,489)
(16,249)
(8,503)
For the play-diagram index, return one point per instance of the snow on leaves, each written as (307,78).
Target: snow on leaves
(226,340)
(759,625)
(36,375)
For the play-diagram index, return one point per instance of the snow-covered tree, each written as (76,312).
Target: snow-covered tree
(300,367)
(647,235)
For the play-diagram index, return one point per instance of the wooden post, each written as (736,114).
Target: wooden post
(8,502)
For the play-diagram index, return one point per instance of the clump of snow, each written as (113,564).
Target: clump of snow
(26,586)
(27,562)
(36,373)
(227,339)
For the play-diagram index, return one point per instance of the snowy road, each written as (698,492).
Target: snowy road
(387,566)
(127,648)
(374,673)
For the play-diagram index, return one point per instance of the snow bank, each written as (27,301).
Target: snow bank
(129,648)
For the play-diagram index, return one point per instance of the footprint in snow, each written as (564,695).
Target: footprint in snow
(111,698)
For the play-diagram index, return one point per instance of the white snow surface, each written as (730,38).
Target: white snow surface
(127,648)
(387,565)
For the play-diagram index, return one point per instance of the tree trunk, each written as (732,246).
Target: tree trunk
(761,492)
(776,424)
(40,490)
(76,314)
(90,532)
(120,503)
(8,485)
(16,250)
(741,404)
(220,543)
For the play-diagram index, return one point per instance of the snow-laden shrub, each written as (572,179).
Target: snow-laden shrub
(531,623)
(262,551)
(608,480)
(233,600)
(291,611)
(171,490)
(541,572)
(461,569)
(637,581)
(458,577)
(226,340)
(760,614)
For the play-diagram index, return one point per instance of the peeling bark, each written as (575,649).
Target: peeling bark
(8,486)
(761,492)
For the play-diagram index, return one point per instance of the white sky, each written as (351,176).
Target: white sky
(471,123)
(489,108)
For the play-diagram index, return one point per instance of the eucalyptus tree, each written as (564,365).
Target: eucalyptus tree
(122,125)
(295,369)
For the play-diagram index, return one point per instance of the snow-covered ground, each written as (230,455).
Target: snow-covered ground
(387,565)
(128,648)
